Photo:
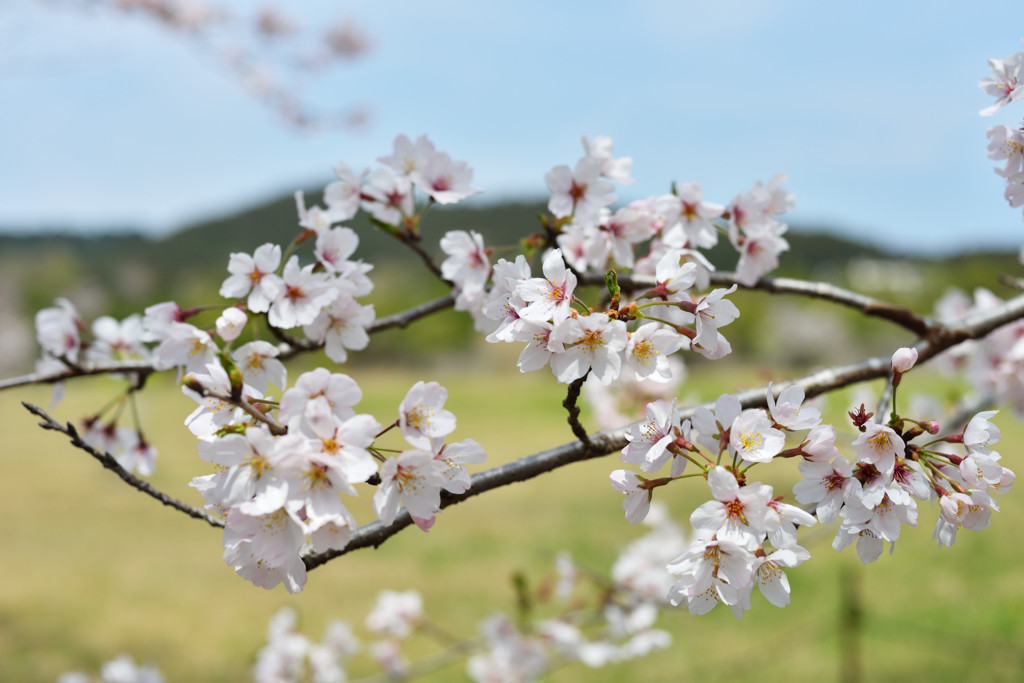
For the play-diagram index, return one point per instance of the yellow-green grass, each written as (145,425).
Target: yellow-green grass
(91,568)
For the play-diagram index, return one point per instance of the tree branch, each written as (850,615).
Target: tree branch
(402,319)
(899,315)
(109,462)
(603,443)
(142,369)
(138,368)
(571,405)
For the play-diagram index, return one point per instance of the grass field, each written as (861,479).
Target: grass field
(91,568)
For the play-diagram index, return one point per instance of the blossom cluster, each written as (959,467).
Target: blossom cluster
(746,535)
(617,333)
(279,482)
(291,656)
(1006,144)
(283,464)
(994,366)
(593,237)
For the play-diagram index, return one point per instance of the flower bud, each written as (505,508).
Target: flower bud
(904,359)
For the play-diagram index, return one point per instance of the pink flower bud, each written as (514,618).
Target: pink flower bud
(904,359)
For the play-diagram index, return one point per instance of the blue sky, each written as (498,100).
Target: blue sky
(870,107)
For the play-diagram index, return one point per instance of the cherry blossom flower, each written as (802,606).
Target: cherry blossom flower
(117,340)
(820,445)
(637,500)
(869,545)
(769,577)
(1007,144)
(885,519)
(1006,83)
(334,247)
(388,197)
(265,549)
(713,311)
(711,571)
(395,613)
(257,360)
(316,219)
(409,157)
(303,294)
(121,669)
(579,192)
(689,219)
(511,655)
(446,181)
(753,438)
(339,391)
(57,330)
(503,301)
(251,479)
(343,196)
(649,441)
(588,343)
(626,227)
(782,520)
(156,319)
(710,427)
(759,250)
(549,297)
(600,149)
(340,446)
(140,457)
(960,510)
(453,458)
(537,353)
(421,415)
(583,246)
(342,327)
(254,277)
(215,409)
(412,480)
(880,446)
(980,432)
(738,513)
(467,263)
(184,345)
(786,410)
(675,275)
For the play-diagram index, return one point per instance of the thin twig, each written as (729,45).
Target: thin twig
(142,369)
(571,405)
(136,368)
(402,319)
(903,317)
(414,244)
(109,462)
(276,428)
